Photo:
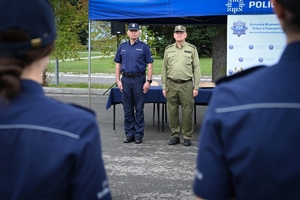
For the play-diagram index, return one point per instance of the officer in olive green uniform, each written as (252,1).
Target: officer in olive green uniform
(180,82)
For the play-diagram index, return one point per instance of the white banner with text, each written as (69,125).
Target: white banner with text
(253,40)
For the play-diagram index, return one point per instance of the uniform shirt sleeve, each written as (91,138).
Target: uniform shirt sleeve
(118,57)
(148,55)
(89,177)
(196,69)
(164,71)
(212,180)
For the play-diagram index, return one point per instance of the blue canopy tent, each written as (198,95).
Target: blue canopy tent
(172,12)
(162,12)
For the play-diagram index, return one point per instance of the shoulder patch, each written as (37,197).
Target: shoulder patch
(83,108)
(144,43)
(169,46)
(123,42)
(193,46)
(240,74)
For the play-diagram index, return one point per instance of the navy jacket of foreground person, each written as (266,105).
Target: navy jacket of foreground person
(49,150)
(249,143)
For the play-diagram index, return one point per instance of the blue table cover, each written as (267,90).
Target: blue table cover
(154,95)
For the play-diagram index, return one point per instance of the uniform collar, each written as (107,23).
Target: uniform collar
(289,54)
(137,41)
(183,44)
(31,87)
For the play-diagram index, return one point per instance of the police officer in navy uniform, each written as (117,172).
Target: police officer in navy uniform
(133,59)
(48,149)
(250,138)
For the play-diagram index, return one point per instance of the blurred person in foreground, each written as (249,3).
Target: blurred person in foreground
(48,149)
(133,59)
(249,143)
(180,79)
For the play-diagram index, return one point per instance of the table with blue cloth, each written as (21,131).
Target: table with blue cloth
(154,95)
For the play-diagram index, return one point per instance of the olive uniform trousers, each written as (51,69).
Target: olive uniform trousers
(180,94)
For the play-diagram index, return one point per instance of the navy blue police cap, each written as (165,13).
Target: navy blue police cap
(133,26)
(34,16)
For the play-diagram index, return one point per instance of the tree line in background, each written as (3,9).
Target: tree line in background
(72,24)
(72,36)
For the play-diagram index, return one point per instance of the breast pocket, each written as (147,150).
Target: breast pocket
(171,59)
(123,55)
(187,59)
(138,55)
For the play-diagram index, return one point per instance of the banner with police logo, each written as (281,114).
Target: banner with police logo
(253,40)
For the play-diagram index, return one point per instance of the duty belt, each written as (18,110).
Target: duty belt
(179,81)
(133,75)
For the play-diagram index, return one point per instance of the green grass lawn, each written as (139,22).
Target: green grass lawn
(107,65)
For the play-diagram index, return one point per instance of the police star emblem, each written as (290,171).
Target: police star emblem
(239,28)
(235,6)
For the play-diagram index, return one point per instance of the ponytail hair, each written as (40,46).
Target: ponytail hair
(12,62)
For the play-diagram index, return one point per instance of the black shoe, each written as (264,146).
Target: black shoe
(129,140)
(174,140)
(138,140)
(187,142)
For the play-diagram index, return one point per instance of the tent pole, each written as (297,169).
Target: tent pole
(89,64)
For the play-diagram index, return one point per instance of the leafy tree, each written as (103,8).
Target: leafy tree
(200,36)
(163,36)
(71,19)
(102,39)
(83,36)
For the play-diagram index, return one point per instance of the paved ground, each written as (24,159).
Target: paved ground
(149,171)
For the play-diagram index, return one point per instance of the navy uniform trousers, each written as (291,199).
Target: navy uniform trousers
(133,100)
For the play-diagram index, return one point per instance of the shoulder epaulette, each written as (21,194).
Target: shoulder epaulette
(145,43)
(239,74)
(83,108)
(193,46)
(169,46)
